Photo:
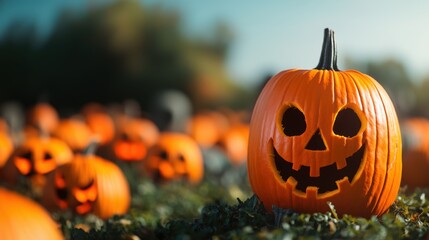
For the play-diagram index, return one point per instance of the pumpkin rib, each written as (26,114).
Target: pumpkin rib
(382,95)
(381,187)
(374,188)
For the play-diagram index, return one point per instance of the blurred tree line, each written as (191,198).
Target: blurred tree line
(126,50)
(410,96)
(115,52)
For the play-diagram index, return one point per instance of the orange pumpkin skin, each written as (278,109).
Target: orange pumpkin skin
(135,137)
(39,156)
(22,218)
(101,126)
(6,148)
(325,135)
(235,143)
(207,128)
(176,156)
(416,153)
(88,184)
(74,132)
(44,117)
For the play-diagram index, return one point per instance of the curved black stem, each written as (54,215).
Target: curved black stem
(328,57)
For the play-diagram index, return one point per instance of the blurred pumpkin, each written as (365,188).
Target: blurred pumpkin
(325,135)
(135,137)
(416,153)
(23,219)
(207,128)
(6,148)
(39,156)
(43,117)
(88,184)
(101,126)
(176,156)
(99,122)
(74,132)
(235,143)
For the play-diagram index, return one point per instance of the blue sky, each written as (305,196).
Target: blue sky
(274,35)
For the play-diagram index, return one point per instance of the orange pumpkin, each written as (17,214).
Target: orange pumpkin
(207,128)
(74,132)
(416,153)
(22,218)
(101,126)
(39,156)
(99,122)
(88,184)
(325,135)
(6,148)
(235,143)
(176,156)
(135,137)
(44,117)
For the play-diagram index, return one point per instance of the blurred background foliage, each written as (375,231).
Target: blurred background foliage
(127,50)
(115,52)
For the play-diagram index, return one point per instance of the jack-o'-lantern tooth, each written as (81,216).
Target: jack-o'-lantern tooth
(341,163)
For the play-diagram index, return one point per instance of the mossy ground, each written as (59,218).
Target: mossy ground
(219,210)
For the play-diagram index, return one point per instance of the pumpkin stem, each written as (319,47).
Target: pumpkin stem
(328,57)
(91,148)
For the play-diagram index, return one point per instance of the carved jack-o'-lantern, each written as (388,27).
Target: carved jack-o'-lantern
(36,158)
(88,184)
(176,156)
(325,135)
(39,156)
(135,137)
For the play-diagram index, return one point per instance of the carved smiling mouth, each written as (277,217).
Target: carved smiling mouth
(328,177)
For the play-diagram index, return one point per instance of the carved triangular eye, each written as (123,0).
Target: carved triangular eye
(47,157)
(347,123)
(181,157)
(293,122)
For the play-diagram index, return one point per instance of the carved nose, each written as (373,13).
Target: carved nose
(316,142)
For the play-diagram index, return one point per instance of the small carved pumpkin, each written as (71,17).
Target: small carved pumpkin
(74,132)
(88,184)
(41,155)
(135,137)
(23,219)
(416,153)
(325,135)
(176,156)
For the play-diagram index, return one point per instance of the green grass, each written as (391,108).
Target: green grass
(224,207)
(212,210)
